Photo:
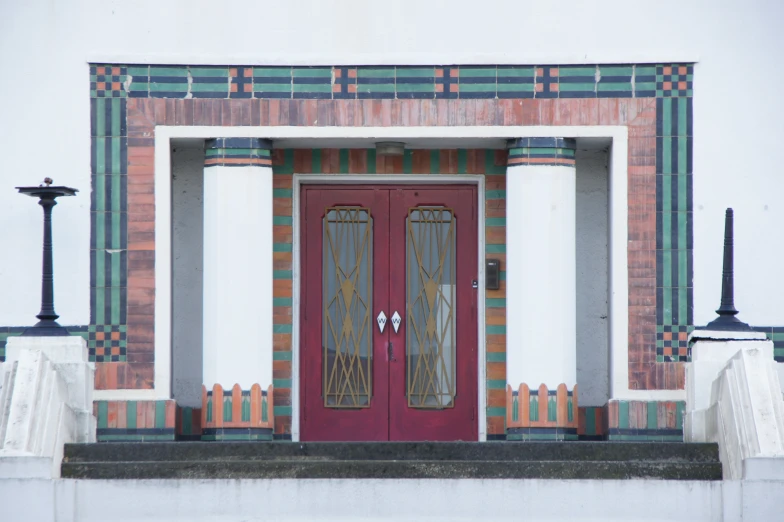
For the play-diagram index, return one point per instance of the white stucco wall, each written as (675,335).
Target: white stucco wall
(45,500)
(377,499)
(44,102)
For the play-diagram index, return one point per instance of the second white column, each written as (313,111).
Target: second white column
(238,278)
(541,289)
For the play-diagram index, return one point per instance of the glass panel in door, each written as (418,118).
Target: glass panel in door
(348,298)
(430,305)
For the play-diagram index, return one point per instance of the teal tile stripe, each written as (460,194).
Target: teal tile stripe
(103,414)
(623,415)
(130,410)
(652,415)
(496,411)
(160,414)
(495,356)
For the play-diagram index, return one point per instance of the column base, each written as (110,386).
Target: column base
(237,414)
(541,414)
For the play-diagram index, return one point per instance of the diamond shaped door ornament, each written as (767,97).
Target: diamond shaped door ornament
(396,320)
(382,321)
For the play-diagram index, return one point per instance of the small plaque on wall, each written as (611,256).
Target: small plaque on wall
(493,274)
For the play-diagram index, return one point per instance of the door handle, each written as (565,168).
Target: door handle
(390,352)
(382,321)
(396,320)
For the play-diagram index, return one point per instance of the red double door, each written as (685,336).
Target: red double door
(388,313)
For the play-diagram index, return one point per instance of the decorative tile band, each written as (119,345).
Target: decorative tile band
(236,414)
(393,82)
(135,421)
(238,152)
(645,421)
(541,414)
(541,151)
(674,218)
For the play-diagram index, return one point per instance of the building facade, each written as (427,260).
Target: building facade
(428,246)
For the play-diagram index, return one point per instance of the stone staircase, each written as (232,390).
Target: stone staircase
(393,460)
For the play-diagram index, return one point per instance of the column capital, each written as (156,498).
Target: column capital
(541,151)
(238,152)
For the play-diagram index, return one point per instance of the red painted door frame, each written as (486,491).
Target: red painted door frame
(388,417)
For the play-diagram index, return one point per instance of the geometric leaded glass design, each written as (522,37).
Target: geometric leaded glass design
(430,307)
(348,297)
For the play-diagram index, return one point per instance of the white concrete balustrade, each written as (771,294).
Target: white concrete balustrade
(734,398)
(45,401)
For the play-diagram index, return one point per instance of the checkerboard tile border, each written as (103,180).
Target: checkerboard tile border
(108,81)
(107,343)
(674,227)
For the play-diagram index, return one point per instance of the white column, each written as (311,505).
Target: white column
(237,325)
(540,263)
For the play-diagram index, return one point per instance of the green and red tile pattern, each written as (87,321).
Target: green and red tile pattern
(135,421)
(650,421)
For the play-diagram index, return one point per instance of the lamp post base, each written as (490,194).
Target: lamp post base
(46,328)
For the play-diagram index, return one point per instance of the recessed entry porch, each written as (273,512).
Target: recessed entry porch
(352,164)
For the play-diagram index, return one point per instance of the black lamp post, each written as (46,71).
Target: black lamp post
(726,321)
(47,325)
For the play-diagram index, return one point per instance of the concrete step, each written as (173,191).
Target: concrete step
(393,469)
(393,460)
(434,451)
